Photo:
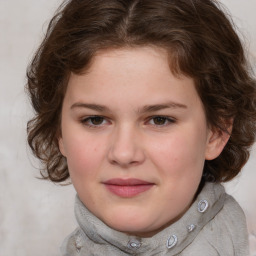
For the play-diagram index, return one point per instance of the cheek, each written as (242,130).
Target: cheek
(180,155)
(83,156)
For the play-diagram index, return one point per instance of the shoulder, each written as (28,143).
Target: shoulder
(232,217)
(70,245)
(226,234)
(230,226)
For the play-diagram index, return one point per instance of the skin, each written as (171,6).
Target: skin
(127,140)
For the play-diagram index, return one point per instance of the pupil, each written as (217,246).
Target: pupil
(96,120)
(159,120)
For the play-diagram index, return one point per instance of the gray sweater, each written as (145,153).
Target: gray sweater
(214,225)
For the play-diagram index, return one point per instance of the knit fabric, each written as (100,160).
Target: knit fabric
(214,225)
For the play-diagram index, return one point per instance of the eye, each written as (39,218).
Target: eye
(161,120)
(94,121)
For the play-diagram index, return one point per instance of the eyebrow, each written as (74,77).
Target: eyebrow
(156,107)
(144,109)
(99,108)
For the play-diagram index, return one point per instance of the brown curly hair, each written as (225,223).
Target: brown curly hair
(201,41)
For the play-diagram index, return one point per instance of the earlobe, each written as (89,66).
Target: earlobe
(217,140)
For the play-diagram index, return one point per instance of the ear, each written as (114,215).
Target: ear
(61,146)
(217,140)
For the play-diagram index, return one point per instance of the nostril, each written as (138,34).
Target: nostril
(124,163)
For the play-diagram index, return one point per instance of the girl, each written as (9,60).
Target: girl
(147,106)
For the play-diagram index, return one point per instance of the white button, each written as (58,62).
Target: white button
(191,227)
(172,241)
(78,243)
(134,244)
(202,206)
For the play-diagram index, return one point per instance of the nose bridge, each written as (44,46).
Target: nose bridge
(126,146)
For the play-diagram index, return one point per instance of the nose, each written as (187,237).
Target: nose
(126,148)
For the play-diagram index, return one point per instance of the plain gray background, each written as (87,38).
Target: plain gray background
(36,215)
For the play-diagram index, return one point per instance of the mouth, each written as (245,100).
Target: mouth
(127,188)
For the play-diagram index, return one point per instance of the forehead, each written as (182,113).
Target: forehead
(143,57)
(130,74)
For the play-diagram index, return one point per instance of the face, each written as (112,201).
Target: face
(135,138)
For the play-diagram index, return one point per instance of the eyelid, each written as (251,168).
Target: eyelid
(86,121)
(169,119)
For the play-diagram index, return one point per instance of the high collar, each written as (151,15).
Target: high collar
(172,239)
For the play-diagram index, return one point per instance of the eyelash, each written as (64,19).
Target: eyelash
(167,120)
(88,121)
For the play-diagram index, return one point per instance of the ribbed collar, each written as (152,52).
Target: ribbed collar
(170,241)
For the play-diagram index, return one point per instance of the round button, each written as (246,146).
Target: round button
(134,244)
(202,206)
(191,227)
(172,241)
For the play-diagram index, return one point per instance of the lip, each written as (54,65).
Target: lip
(127,188)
